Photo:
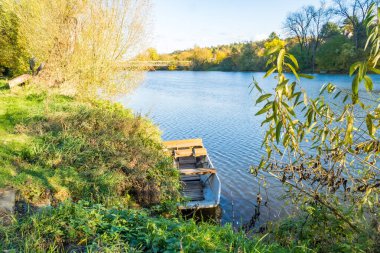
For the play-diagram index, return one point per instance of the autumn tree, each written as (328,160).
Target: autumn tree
(13,59)
(83,43)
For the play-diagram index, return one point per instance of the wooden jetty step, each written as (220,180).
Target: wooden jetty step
(183,153)
(177,144)
(200,152)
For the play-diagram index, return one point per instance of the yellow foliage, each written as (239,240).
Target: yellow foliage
(202,54)
(220,56)
(275,43)
(83,43)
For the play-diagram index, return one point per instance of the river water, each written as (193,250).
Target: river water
(219,108)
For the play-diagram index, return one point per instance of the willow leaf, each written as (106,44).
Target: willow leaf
(262,98)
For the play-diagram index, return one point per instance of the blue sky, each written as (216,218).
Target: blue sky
(181,24)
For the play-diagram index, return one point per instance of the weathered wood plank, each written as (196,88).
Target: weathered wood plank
(183,143)
(183,153)
(187,166)
(198,171)
(190,159)
(19,80)
(200,152)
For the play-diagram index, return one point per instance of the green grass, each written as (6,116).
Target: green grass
(83,227)
(55,148)
(3,85)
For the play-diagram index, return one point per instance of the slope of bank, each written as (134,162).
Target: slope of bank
(55,148)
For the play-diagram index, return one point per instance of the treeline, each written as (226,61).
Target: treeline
(326,38)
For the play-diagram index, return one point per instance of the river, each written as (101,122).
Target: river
(219,108)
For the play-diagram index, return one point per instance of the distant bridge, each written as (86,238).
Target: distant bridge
(152,64)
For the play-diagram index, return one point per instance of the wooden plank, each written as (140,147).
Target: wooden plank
(183,153)
(187,166)
(19,80)
(200,152)
(190,159)
(198,171)
(193,187)
(190,177)
(193,190)
(183,143)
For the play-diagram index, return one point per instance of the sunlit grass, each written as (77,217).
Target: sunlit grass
(54,147)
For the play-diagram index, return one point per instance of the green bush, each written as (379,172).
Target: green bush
(321,231)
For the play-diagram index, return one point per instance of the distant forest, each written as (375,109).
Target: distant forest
(323,39)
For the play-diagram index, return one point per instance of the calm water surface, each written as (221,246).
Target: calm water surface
(218,107)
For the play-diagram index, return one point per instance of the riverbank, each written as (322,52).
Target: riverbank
(99,180)
(91,176)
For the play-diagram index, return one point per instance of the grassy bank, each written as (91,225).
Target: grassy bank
(94,165)
(55,148)
(105,185)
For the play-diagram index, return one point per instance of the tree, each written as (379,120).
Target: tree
(306,25)
(329,30)
(353,13)
(297,25)
(320,17)
(327,153)
(13,59)
(273,36)
(148,55)
(84,43)
(153,55)
(201,57)
(336,54)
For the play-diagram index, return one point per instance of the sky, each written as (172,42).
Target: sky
(182,24)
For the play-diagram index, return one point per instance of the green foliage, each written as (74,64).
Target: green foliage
(55,148)
(326,153)
(93,228)
(317,228)
(13,59)
(336,54)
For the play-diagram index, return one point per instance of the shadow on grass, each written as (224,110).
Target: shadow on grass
(4,86)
